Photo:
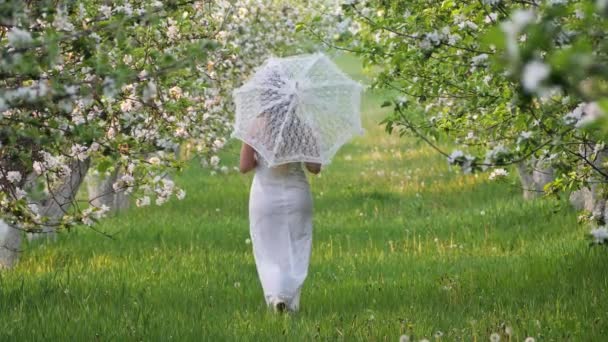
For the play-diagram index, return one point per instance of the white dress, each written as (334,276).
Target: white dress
(280,222)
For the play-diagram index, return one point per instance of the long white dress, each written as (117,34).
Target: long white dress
(280,222)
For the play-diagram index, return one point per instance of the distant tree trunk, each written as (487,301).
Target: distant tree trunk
(583,199)
(534,175)
(10,242)
(594,197)
(101,192)
(54,206)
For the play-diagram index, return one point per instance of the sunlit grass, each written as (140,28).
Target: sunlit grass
(402,244)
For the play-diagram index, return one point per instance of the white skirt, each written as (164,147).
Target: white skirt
(280,216)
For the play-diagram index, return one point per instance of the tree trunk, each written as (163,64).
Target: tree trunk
(62,197)
(592,198)
(10,242)
(101,192)
(534,175)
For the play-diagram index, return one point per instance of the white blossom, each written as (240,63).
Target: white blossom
(173,32)
(20,193)
(13,176)
(490,18)
(495,153)
(479,59)
(523,136)
(154,160)
(18,37)
(142,202)
(215,161)
(38,167)
(160,200)
(591,113)
(94,147)
(102,211)
(534,73)
(33,208)
(149,91)
(87,217)
(468,24)
(454,156)
(575,115)
(79,152)
(584,114)
(513,27)
(176,92)
(105,10)
(498,173)
(127,9)
(62,22)
(599,235)
(218,144)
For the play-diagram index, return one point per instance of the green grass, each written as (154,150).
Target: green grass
(402,244)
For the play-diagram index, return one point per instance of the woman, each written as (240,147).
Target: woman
(280,217)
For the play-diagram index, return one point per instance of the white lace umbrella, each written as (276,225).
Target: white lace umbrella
(298,109)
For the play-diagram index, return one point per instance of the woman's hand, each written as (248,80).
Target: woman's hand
(313,168)
(248,161)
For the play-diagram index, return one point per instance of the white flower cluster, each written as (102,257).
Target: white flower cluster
(12,176)
(124,184)
(54,167)
(599,235)
(533,74)
(18,37)
(91,214)
(584,114)
(524,136)
(465,161)
(436,38)
(29,93)
(513,28)
(498,173)
(498,153)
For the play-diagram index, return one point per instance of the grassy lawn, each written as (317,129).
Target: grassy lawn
(402,245)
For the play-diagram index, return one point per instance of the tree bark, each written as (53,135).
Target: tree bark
(10,242)
(534,175)
(101,192)
(593,198)
(60,198)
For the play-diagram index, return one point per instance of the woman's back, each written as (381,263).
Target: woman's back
(285,172)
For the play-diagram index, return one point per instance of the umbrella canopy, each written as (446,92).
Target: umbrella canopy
(298,109)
